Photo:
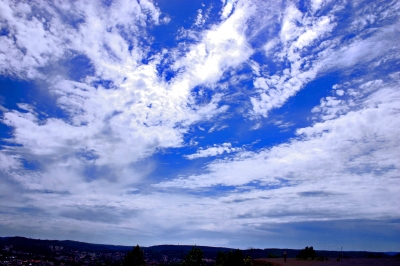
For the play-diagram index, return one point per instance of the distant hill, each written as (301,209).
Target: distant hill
(37,245)
(179,251)
(392,253)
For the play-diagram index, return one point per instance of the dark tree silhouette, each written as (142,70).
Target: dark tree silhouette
(221,259)
(235,258)
(194,258)
(232,258)
(134,257)
(308,252)
(248,261)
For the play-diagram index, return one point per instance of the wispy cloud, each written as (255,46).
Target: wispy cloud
(213,151)
(356,149)
(116,155)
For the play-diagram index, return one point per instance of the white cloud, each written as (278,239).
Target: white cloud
(8,162)
(222,47)
(200,19)
(256,126)
(28,45)
(340,92)
(212,129)
(123,125)
(108,130)
(217,128)
(357,149)
(270,45)
(298,32)
(228,8)
(213,151)
(290,30)
(363,50)
(317,4)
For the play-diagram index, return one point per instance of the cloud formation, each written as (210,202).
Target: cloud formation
(213,151)
(123,99)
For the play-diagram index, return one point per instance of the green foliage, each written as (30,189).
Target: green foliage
(194,258)
(248,261)
(134,257)
(221,259)
(306,253)
(271,255)
(232,258)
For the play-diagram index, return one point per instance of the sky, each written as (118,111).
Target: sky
(242,124)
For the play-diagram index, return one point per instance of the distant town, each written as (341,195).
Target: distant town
(25,251)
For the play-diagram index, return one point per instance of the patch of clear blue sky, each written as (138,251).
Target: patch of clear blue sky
(15,91)
(182,18)
(79,66)
(36,94)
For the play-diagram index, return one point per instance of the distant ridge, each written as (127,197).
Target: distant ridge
(43,246)
(24,243)
(392,253)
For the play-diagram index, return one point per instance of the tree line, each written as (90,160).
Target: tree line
(193,258)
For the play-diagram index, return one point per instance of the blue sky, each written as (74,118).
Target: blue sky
(222,123)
